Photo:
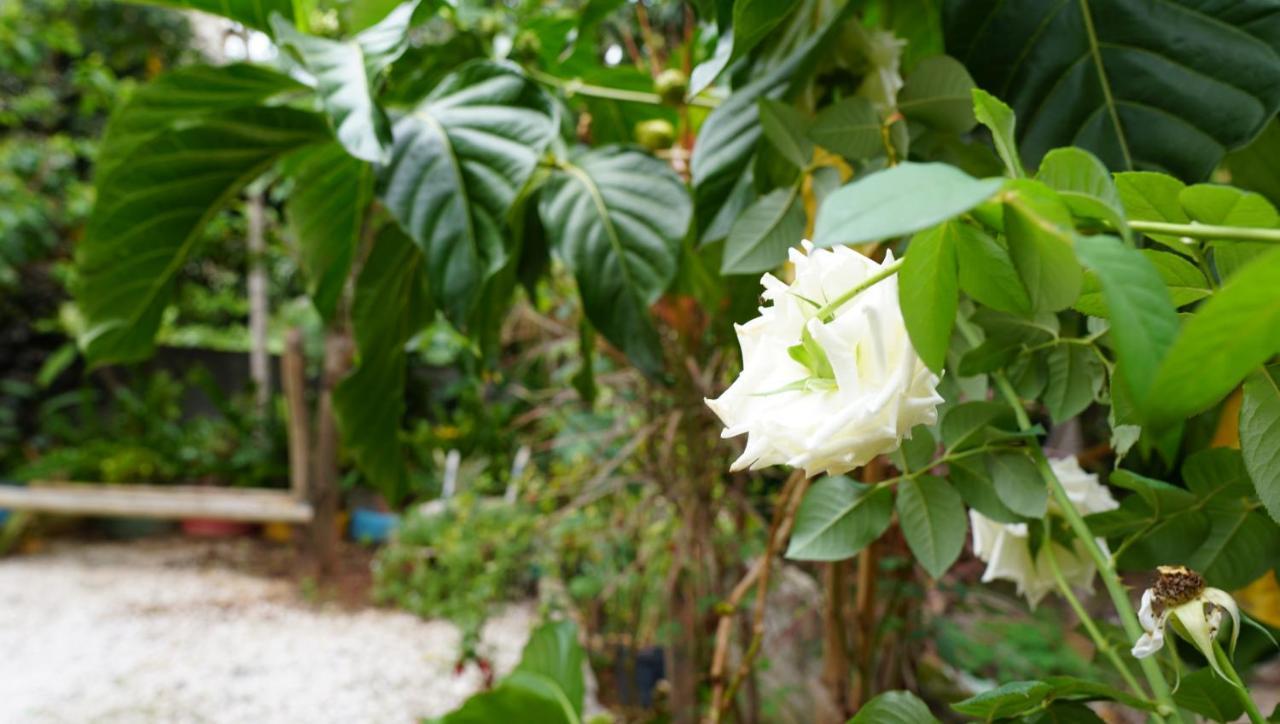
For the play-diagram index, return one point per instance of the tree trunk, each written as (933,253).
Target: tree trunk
(259,305)
(324,478)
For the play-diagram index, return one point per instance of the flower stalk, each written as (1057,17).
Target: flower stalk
(1250,707)
(1208,231)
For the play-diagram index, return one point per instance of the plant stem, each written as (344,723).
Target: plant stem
(1099,640)
(1119,597)
(573,86)
(1250,708)
(1208,231)
(885,272)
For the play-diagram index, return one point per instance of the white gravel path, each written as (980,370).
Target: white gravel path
(154,632)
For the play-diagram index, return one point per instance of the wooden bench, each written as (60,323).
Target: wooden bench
(155,501)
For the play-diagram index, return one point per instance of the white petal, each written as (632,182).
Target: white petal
(1148,644)
(1222,599)
(1146,616)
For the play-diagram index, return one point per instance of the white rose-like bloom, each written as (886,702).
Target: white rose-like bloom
(880,389)
(1006,547)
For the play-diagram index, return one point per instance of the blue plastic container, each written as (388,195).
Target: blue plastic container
(372,526)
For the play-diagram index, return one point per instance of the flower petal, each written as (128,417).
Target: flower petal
(1148,643)
(1222,599)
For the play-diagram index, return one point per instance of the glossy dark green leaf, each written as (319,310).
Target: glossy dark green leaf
(151,207)
(1019,484)
(894,707)
(761,236)
(987,273)
(1260,436)
(1208,694)
(325,212)
(1142,90)
(999,119)
(786,128)
(1143,321)
(1039,228)
(1257,166)
(617,216)
(932,517)
(928,291)
(837,518)
(345,74)
(457,162)
(939,93)
(851,128)
(754,20)
(901,200)
(391,304)
(1229,336)
(1075,374)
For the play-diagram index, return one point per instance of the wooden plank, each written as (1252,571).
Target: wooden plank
(293,378)
(150,501)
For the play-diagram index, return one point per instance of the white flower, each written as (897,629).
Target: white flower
(1181,593)
(826,394)
(1006,547)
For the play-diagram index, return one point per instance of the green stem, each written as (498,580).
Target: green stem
(1119,597)
(1208,231)
(885,272)
(1242,693)
(1095,633)
(573,86)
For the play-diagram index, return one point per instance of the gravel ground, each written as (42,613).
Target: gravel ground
(168,631)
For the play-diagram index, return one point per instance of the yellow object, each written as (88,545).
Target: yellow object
(1261,599)
(1228,432)
(277,532)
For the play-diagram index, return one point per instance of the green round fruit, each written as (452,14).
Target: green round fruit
(671,85)
(655,134)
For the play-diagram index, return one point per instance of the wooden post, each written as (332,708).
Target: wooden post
(259,305)
(293,378)
(324,477)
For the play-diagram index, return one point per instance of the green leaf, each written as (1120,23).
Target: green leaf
(553,653)
(1063,712)
(391,304)
(325,212)
(786,127)
(1259,432)
(728,137)
(345,74)
(901,200)
(1040,233)
(253,13)
(1233,333)
(971,480)
(754,20)
(1143,321)
(617,216)
(1169,90)
(928,292)
(1149,196)
(457,163)
(894,707)
(760,238)
(520,697)
(1018,482)
(987,273)
(939,94)
(1240,542)
(1208,694)
(1005,700)
(837,518)
(850,128)
(149,212)
(1226,206)
(1185,282)
(1257,166)
(999,119)
(932,517)
(1084,184)
(1074,375)
(962,425)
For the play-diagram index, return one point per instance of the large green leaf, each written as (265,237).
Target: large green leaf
(837,518)
(553,653)
(760,238)
(253,13)
(932,517)
(1019,484)
(149,211)
(1171,89)
(1185,281)
(391,304)
(1233,333)
(939,93)
(520,697)
(345,73)
(1143,321)
(457,162)
(617,216)
(928,291)
(728,137)
(987,273)
(1074,375)
(1084,184)
(1257,166)
(1241,541)
(325,211)
(1260,436)
(894,707)
(901,200)
(180,96)
(850,128)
